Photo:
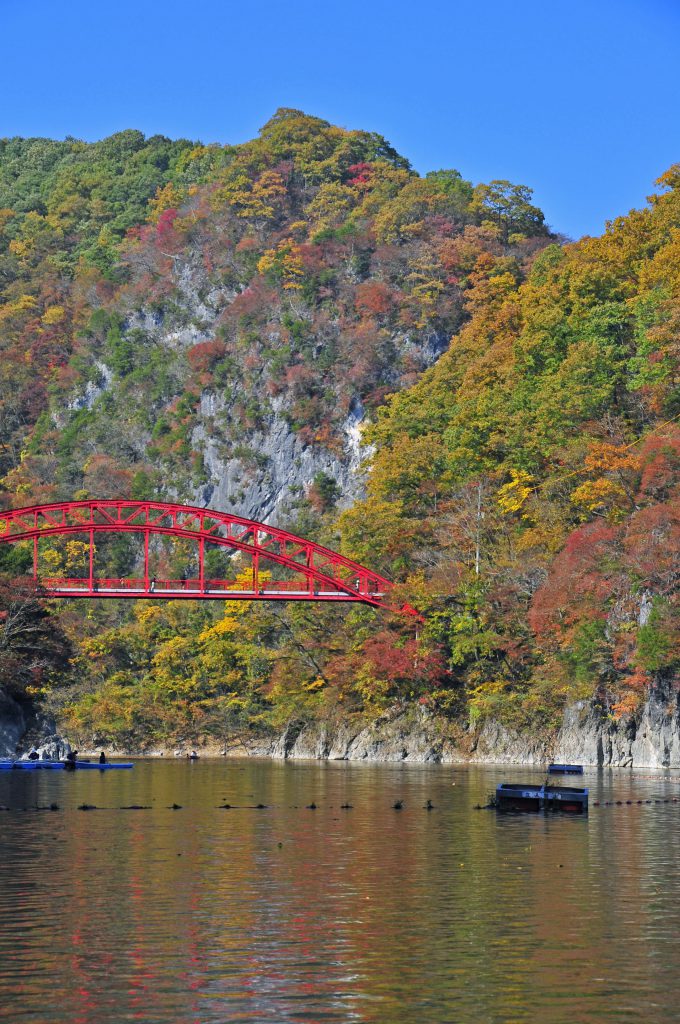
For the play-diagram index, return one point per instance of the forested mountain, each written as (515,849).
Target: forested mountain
(227,325)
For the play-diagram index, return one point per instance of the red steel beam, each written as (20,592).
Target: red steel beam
(322,569)
(102,506)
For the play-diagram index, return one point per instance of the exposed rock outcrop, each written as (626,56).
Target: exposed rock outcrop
(12,725)
(23,727)
(283,466)
(586,736)
(260,470)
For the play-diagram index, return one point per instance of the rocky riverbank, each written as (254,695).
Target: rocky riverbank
(586,736)
(23,725)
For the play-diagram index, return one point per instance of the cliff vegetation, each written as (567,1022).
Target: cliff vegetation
(411,369)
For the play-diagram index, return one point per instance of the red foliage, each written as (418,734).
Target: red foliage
(360,174)
(300,378)
(246,244)
(257,299)
(577,581)
(202,357)
(252,361)
(361,349)
(168,239)
(660,456)
(373,298)
(652,544)
(312,257)
(165,222)
(106,478)
(403,662)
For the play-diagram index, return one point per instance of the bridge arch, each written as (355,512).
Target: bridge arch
(310,572)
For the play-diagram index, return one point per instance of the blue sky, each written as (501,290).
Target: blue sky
(579,99)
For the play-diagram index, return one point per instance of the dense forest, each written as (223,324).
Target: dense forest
(413,370)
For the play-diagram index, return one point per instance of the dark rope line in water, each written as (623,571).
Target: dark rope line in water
(398,805)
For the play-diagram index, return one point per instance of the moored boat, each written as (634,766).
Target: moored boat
(565,769)
(9,765)
(512,796)
(104,767)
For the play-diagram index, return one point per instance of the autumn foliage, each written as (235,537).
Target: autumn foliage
(518,399)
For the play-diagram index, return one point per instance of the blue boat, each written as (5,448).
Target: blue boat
(565,769)
(7,764)
(512,796)
(10,765)
(104,767)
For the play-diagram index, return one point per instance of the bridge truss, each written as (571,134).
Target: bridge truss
(275,565)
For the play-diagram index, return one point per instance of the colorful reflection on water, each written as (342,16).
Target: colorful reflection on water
(366,913)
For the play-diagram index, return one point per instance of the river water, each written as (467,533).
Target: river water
(362,914)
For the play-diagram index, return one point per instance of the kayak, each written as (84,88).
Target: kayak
(7,765)
(103,767)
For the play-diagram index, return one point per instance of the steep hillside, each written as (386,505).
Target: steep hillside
(229,349)
(227,324)
(531,476)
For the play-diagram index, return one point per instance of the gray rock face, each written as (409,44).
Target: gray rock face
(53,748)
(12,725)
(22,728)
(93,389)
(410,735)
(284,467)
(257,472)
(585,737)
(651,741)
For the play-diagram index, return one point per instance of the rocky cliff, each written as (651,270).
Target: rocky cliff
(256,320)
(23,726)
(586,736)
(253,457)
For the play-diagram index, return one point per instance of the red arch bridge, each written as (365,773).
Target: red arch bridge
(276,565)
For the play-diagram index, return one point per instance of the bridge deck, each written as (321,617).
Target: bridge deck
(284,590)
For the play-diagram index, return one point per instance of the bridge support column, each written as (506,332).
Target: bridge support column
(146,559)
(35,558)
(201,570)
(91,559)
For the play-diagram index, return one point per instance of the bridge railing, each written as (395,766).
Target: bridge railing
(140,585)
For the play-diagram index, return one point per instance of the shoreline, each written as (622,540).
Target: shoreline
(210,756)
(586,735)
(413,735)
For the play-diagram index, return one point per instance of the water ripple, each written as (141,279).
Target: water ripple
(367,915)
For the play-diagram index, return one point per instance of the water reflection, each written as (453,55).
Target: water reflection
(367,914)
